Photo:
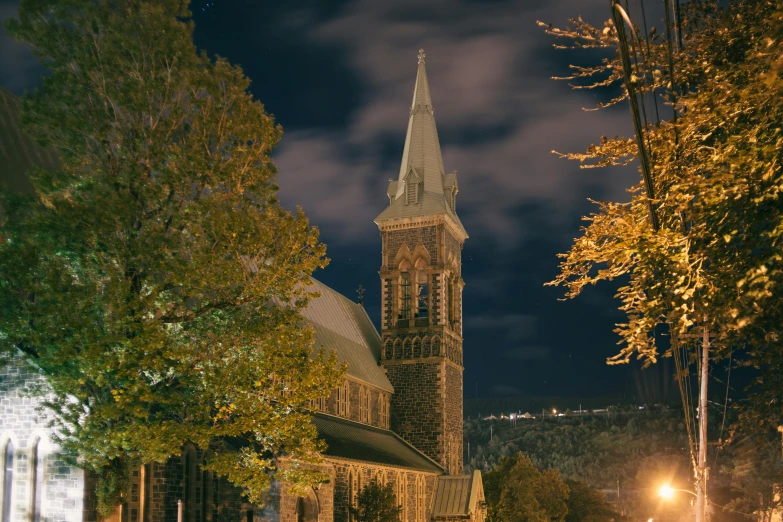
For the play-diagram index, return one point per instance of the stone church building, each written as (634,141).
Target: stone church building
(396,418)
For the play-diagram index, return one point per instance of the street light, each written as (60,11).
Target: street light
(667,492)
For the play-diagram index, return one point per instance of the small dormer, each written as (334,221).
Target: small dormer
(413,186)
(391,191)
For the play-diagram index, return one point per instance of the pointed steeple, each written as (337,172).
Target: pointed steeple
(422,147)
(422,187)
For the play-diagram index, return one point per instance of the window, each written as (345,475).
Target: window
(342,400)
(450,302)
(307,507)
(8,480)
(384,410)
(36,479)
(362,409)
(419,499)
(423,298)
(405,296)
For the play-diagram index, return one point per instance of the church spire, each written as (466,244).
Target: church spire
(422,187)
(422,147)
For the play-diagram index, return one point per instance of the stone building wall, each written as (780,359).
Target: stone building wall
(411,237)
(453,417)
(61,487)
(355,390)
(350,478)
(417,404)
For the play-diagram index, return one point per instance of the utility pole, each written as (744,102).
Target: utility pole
(701,473)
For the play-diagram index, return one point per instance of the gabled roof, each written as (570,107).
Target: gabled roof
(18,152)
(422,161)
(352,440)
(457,495)
(343,326)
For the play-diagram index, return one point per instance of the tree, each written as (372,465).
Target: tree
(516,491)
(376,503)
(757,476)
(588,505)
(716,178)
(154,278)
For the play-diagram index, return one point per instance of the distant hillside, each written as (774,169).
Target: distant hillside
(485,406)
(635,450)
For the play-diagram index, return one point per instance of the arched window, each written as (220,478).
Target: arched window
(405,296)
(307,508)
(36,479)
(422,292)
(401,496)
(8,480)
(342,400)
(417,347)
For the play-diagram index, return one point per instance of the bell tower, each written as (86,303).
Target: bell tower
(421,283)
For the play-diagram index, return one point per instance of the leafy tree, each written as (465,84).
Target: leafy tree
(516,491)
(716,175)
(757,476)
(588,505)
(376,503)
(154,278)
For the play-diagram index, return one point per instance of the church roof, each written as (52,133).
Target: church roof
(343,326)
(457,495)
(18,152)
(352,440)
(422,163)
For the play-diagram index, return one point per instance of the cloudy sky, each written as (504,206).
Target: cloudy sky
(339,77)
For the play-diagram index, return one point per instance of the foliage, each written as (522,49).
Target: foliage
(516,491)
(154,278)
(756,473)
(376,503)
(637,449)
(587,505)
(717,179)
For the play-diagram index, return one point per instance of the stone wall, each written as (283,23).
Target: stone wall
(350,478)
(417,404)
(61,487)
(453,416)
(411,237)
(355,390)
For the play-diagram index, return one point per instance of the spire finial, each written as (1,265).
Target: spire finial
(421,55)
(360,294)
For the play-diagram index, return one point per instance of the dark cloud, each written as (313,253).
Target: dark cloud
(19,68)
(528,353)
(482,63)
(505,390)
(339,75)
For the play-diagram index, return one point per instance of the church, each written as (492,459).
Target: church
(396,419)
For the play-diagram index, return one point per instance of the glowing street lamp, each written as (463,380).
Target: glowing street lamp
(667,492)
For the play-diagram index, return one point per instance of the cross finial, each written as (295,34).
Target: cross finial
(360,294)
(421,55)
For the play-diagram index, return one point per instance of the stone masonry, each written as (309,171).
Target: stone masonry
(42,484)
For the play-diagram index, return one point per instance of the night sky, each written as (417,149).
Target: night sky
(339,77)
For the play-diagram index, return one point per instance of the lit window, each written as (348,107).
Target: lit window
(423,299)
